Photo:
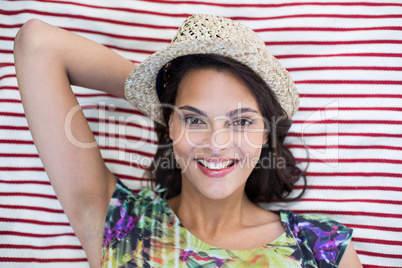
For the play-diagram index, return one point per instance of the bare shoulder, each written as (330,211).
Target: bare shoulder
(350,258)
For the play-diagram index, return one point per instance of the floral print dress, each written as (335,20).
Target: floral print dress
(142,231)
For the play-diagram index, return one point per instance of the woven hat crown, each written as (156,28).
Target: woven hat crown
(208,34)
(207,26)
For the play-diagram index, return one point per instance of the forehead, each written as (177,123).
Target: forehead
(214,92)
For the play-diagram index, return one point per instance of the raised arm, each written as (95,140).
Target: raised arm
(47,60)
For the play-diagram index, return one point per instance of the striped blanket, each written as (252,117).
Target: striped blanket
(345,57)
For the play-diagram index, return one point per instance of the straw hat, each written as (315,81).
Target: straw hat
(207,34)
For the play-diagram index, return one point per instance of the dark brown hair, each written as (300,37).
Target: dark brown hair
(265,183)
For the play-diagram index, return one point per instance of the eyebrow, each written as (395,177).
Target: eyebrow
(229,114)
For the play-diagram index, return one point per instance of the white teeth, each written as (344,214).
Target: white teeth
(215,166)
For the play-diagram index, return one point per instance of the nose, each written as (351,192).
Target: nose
(220,139)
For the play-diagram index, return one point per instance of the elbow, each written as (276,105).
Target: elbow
(26,35)
(32,31)
(32,48)
(29,39)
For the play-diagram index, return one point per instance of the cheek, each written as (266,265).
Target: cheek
(180,156)
(251,155)
(181,148)
(175,129)
(250,146)
(251,140)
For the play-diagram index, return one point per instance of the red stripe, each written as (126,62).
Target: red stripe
(135,191)
(22,169)
(10,26)
(80,95)
(330,121)
(16,141)
(58,211)
(6,38)
(117,9)
(126,163)
(377,254)
(399,96)
(376,266)
(129,137)
(382,55)
(96,119)
(12,114)
(101,147)
(135,62)
(351,188)
(34,222)
(360,82)
(357,160)
(41,260)
(28,194)
(343,16)
(126,37)
(352,213)
(377,241)
(116,122)
(331,43)
(396,109)
(371,68)
(273,5)
(371,147)
(6,64)
(151,155)
(378,201)
(143,51)
(13,246)
(10,101)
(25,182)
(7,76)
(296,134)
(13,233)
(354,174)
(327,29)
(4,51)
(380,228)
(8,88)
(131,178)
(82,17)
(112,109)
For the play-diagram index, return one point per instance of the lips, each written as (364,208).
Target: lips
(214,165)
(216,168)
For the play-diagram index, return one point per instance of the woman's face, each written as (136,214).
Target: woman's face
(217,132)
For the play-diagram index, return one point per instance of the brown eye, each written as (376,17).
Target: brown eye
(241,122)
(191,120)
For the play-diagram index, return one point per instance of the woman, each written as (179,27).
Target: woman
(222,104)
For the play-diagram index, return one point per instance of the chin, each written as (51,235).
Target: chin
(217,192)
(215,188)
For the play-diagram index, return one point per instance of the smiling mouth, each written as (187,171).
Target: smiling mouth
(216,166)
